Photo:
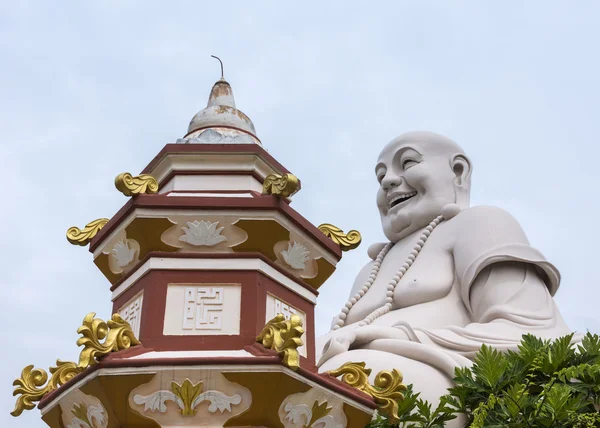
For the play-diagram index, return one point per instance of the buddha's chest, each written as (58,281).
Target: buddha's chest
(431,277)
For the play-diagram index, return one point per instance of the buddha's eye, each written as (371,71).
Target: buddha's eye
(407,163)
(380,177)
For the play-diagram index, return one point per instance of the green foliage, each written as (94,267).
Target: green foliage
(544,384)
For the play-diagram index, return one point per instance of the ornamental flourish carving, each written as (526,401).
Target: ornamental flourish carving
(310,417)
(82,237)
(387,389)
(33,384)
(202,233)
(93,416)
(346,241)
(122,254)
(283,336)
(296,255)
(130,185)
(281,185)
(187,396)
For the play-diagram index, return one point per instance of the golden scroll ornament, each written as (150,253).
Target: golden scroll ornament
(387,389)
(33,384)
(130,185)
(346,241)
(77,236)
(283,336)
(281,185)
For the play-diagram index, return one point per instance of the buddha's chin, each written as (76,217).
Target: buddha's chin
(398,226)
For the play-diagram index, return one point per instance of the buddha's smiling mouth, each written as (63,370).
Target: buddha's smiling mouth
(400,198)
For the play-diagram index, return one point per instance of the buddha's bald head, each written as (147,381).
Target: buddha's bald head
(419,173)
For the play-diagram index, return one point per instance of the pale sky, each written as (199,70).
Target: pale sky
(92,89)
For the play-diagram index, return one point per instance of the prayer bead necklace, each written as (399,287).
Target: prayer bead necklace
(448,212)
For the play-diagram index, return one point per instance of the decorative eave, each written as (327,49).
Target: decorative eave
(263,357)
(259,202)
(212,149)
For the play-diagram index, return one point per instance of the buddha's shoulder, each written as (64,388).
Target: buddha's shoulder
(484,218)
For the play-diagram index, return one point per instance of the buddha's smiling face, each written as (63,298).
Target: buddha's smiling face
(418,175)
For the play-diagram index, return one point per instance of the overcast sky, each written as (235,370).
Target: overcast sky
(88,91)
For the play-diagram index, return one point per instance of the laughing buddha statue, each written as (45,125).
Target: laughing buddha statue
(451,277)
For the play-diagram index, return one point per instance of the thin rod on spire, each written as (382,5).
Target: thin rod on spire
(221,65)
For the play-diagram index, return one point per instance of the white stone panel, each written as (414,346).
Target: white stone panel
(277,306)
(211,182)
(203,309)
(132,313)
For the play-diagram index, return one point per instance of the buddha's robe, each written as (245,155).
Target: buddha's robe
(477,280)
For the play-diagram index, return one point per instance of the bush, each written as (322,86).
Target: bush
(544,384)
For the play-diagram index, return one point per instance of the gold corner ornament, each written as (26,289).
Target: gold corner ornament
(130,185)
(387,389)
(283,336)
(116,331)
(33,384)
(281,185)
(82,237)
(346,241)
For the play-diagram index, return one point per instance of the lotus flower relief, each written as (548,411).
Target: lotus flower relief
(202,233)
(296,255)
(122,253)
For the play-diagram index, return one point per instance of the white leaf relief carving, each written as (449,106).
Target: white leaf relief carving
(202,233)
(295,413)
(157,401)
(122,253)
(77,423)
(218,401)
(296,255)
(96,418)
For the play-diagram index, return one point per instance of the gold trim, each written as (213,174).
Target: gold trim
(281,185)
(346,241)
(77,236)
(130,185)
(32,384)
(387,389)
(32,387)
(116,331)
(283,336)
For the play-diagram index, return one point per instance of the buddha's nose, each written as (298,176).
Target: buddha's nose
(390,181)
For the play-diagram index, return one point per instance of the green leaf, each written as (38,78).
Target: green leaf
(560,352)
(489,366)
(543,384)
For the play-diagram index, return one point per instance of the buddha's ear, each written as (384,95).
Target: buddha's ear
(461,166)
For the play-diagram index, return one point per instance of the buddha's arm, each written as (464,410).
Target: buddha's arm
(507,300)
(504,284)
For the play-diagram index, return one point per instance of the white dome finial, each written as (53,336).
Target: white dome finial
(221,122)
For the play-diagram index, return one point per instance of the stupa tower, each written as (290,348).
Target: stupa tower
(214,280)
